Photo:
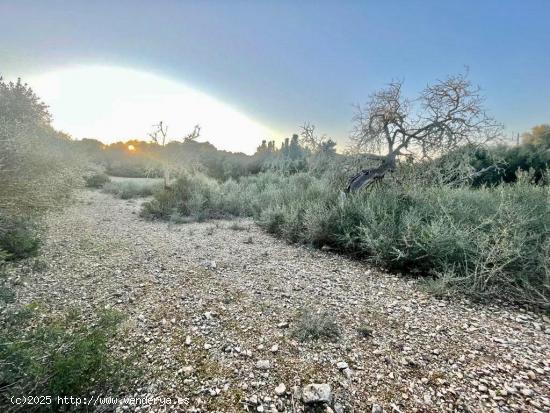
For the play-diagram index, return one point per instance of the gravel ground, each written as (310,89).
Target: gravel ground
(211,310)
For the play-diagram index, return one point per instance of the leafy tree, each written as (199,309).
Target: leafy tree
(37,163)
(538,135)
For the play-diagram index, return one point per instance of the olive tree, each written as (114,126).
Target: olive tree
(446,115)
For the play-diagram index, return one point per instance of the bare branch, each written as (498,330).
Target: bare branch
(447,114)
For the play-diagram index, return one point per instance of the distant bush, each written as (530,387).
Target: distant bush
(129,190)
(59,357)
(96,180)
(19,238)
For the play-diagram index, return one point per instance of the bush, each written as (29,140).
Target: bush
(96,180)
(130,190)
(485,242)
(19,238)
(61,357)
(316,326)
(162,207)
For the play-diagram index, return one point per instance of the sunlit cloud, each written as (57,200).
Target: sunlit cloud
(114,103)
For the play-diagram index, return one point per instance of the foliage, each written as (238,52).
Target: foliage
(96,180)
(527,157)
(486,242)
(38,167)
(316,326)
(538,135)
(19,238)
(130,190)
(64,356)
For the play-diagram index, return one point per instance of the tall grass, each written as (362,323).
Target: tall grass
(486,242)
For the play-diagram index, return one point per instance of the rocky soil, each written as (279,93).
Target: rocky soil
(212,311)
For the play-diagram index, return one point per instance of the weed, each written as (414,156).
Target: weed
(316,326)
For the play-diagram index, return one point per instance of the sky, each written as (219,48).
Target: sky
(252,70)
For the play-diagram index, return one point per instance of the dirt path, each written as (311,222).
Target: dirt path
(230,293)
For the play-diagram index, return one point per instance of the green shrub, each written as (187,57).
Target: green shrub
(59,357)
(7,295)
(96,180)
(130,190)
(162,207)
(316,326)
(19,238)
(485,242)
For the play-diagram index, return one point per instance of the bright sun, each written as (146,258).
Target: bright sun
(131,148)
(113,104)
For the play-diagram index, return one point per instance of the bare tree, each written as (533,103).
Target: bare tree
(193,136)
(445,116)
(159,135)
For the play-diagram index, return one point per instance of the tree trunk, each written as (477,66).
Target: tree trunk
(368,176)
(166,177)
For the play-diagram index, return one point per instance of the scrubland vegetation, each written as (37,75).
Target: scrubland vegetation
(58,356)
(472,221)
(40,168)
(490,241)
(131,189)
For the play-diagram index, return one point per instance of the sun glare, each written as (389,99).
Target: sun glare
(113,104)
(131,148)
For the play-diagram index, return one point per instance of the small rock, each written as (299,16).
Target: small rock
(274,348)
(187,370)
(376,408)
(263,364)
(280,389)
(317,393)
(188,340)
(526,391)
(338,408)
(342,365)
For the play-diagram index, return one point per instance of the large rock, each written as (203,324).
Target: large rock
(317,393)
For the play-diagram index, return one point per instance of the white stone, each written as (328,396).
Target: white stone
(317,393)
(342,365)
(280,389)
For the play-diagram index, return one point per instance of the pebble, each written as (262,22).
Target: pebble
(342,365)
(317,393)
(280,389)
(263,364)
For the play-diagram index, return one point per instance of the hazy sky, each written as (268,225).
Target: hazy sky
(274,64)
